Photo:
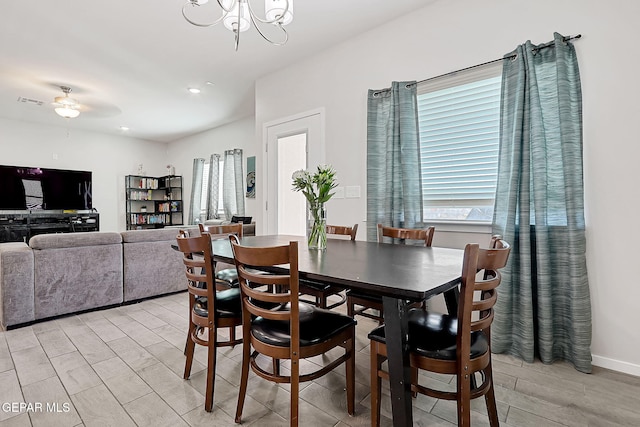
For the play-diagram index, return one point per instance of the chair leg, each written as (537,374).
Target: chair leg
(295,391)
(376,384)
(188,351)
(350,307)
(276,366)
(211,369)
(490,398)
(351,375)
(244,376)
(463,384)
(232,333)
(414,380)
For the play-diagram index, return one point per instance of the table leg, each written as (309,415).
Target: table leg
(451,300)
(396,332)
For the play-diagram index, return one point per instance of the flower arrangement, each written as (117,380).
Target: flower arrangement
(317,190)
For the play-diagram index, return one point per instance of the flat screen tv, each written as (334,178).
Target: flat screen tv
(30,188)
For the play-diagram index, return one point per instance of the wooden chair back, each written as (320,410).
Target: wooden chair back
(480,276)
(198,262)
(403,234)
(261,290)
(235,228)
(343,231)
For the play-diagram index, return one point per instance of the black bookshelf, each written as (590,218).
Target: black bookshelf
(153,202)
(22,226)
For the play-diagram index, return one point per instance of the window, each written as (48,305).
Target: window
(459,119)
(205,190)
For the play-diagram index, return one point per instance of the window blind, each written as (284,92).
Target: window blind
(459,131)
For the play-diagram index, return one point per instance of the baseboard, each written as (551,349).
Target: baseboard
(616,365)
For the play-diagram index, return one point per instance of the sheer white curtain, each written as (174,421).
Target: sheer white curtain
(232,184)
(195,207)
(212,188)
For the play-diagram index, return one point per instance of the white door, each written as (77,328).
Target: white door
(292,143)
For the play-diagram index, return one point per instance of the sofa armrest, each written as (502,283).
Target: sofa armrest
(16,284)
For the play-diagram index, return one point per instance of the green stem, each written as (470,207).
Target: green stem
(317,235)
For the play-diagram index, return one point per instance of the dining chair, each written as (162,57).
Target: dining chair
(457,344)
(225,277)
(209,309)
(322,291)
(292,330)
(359,303)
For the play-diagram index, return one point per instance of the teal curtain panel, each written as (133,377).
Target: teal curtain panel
(543,307)
(394,193)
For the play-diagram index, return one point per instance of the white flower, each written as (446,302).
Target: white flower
(299,174)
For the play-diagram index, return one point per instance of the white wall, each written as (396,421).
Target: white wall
(108,157)
(239,134)
(451,35)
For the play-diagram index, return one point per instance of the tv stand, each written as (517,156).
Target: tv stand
(21,226)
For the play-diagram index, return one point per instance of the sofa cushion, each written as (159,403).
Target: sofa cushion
(151,266)
(74,240)
(72,279)
(154,235)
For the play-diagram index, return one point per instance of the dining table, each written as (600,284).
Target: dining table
(400,274)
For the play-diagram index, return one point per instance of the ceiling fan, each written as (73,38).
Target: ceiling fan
(66,106)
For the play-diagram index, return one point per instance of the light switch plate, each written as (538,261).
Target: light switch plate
(339,193)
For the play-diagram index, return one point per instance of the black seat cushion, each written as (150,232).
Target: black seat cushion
(229,276)
(434,335)
(228,304)
(316,326)
(372,298)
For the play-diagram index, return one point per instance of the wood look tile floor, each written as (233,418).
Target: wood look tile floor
(123,367)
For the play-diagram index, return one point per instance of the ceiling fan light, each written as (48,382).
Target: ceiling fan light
(276,8)
(238,16)
(67,112)
(65,100)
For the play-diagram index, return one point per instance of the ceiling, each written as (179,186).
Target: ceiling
(129,63)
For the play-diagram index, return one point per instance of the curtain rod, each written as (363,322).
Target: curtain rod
(543,46)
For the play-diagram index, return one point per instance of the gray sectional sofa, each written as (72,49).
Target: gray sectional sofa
(58,274)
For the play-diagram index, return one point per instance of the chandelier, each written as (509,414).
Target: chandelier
(66,107)
(238,15)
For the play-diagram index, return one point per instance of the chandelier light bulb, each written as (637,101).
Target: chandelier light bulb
(275,9)
(238,18)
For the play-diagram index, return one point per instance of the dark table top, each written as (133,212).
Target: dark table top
(409,272)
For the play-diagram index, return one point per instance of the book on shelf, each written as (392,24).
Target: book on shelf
(148,183)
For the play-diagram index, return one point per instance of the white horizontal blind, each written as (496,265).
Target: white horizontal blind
(459,129)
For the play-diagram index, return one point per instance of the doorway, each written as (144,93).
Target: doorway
(291,144)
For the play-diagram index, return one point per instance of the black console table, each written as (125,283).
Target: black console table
(20,227)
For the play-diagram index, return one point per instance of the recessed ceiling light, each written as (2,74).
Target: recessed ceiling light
(194,90)
(209,83)
(124,128)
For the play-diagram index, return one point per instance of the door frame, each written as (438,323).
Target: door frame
(287,126)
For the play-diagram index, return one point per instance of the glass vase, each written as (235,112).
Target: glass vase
(317,226)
